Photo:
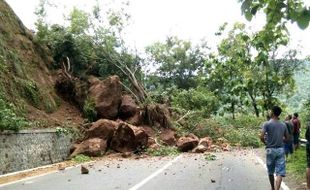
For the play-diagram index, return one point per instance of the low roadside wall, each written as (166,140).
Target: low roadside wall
(32,148)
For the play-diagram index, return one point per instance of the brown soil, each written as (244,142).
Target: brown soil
(66,114)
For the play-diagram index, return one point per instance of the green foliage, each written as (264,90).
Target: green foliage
(93,43)
(178,62)
(89,110)
(163,151)
(300,96)
(81,158)
(279,11)
(62,131)
(210,157)
(210,128)
(244,130)
(296,164)
(30,91)
(199,99)
(8,118)
(305,111)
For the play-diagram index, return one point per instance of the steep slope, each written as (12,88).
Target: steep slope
(26,84)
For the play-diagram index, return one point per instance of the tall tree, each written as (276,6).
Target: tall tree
(177,62)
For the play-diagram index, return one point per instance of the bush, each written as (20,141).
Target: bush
(196,99)
(8,119)
(81,158)
(89,110)
(243,130)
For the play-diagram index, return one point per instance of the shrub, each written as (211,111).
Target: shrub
(81,158)
(89,110)
(196,99)
(8,119)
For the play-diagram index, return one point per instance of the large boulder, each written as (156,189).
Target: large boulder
(103,129)
(128,107)
(187,143)
(203,145)
(107,96)
(168,137)
(90,147)
(128,138)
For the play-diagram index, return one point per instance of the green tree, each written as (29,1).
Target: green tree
(227,68)
(278,11)
(94,45)
(177,62)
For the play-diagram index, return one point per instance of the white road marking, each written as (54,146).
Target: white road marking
(37,176)
(259,160)
(137,186)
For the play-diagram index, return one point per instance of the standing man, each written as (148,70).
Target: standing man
(288,145)
(296,124)
(276,133)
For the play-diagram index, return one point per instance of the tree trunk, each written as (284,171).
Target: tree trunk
(254,104)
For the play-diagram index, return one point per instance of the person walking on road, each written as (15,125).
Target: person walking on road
(296,133)
(288,145)
(276,133)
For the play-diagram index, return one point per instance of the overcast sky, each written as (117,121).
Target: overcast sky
(153,20)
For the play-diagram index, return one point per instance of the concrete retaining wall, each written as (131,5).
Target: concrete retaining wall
(32,148)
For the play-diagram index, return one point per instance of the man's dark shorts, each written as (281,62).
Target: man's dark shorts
(308,155)
(288,147)
(296,138)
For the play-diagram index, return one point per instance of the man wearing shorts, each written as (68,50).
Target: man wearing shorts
(276,133)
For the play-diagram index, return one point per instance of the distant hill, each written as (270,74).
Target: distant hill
(302,91)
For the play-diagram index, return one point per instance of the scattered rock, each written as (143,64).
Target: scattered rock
(168,137)
(213,181)
(91,147)
(61,166)
(225,147)
(126,154)
(203,145)
(84,170)
(187,143)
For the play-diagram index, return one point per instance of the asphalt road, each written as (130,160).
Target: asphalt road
(238,170)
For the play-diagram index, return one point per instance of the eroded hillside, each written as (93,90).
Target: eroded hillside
(26,83)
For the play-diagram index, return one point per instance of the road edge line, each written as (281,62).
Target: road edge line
(259,160)
(137,186)
(41,175)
